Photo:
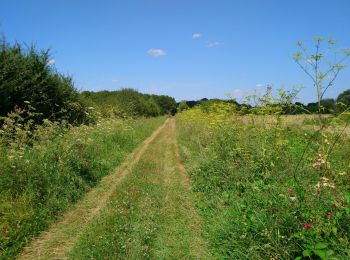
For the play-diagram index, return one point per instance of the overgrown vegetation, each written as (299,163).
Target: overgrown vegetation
(26,76)
(128,102)
(268,189)
(254,203)
(41,179)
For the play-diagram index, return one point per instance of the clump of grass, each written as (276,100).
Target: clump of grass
(46,169)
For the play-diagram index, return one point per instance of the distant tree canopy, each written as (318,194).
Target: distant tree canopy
(129,102)
(26,76)
(183,106)
(344,98)
(328,105)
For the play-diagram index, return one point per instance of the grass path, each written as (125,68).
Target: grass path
(143,210)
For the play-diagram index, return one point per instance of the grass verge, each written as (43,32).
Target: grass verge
(41,180)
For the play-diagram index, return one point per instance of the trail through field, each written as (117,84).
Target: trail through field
(142,210)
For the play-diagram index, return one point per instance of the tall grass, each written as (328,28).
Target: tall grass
(45,170)
(254,202)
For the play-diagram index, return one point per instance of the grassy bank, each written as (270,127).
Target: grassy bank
(267,192)
(40,178)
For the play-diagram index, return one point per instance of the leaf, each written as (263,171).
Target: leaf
(330,252)
(321,245)
(307,252)
(321,253)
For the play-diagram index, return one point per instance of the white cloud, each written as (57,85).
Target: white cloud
(211,44)
(115,80)
(156,52)
(260,85)
(51,62)
(196,36)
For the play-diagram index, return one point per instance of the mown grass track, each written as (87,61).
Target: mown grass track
(144,210)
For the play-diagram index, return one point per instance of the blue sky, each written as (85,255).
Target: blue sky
(188,49)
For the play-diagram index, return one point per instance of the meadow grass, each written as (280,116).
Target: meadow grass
(150,215)
(41,179)
(255,201)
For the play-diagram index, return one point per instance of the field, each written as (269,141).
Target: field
(122,174)
(208,184)
(268,187)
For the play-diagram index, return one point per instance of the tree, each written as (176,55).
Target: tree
(344,98)
(328,105)
(27,76)
(183,106)
(167,104)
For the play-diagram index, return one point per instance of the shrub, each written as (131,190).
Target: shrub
(128,102)
(27,76)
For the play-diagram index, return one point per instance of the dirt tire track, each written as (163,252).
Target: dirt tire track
(61,236)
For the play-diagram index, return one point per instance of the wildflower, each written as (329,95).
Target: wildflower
(291,191)
(307,226)
(319,162)
(324,179)
(326,183)
(238,162)
(330,214)
(318,190)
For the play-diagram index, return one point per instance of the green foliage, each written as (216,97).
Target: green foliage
(183,106)
(255,201)
(27,76)
(128,103)
(344,98)
(167,104)
(45,168)
(328,105)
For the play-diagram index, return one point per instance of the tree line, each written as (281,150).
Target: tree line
(328,105)
(31,86)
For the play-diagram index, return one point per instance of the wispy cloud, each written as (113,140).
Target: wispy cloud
(211,44)
(115,80)
(196,36)
(260,85)
(51,62)
(156,52)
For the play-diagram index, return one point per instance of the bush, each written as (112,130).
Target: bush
(128,102)
(27,76)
